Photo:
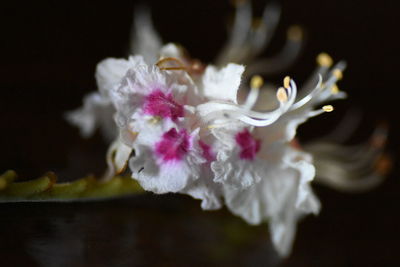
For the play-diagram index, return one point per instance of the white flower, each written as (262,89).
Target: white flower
(173,162)
(282,196)
(184,127)
(147,96)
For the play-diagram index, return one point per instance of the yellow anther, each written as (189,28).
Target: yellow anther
(155,120)
(338,74)
(324,60)
(212,126)
(295,33)
(335,89)
(286,82)
(256,82)
(282,95)
(327,108)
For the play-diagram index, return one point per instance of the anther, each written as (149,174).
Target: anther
(256,82)
(282,95)
(324,60)
(338,74)
(155,120)
(212,126)
(335,89)
(286,82)
(327,108)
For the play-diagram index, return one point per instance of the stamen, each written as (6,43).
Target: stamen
(335,89)
(286,82)
(282,95)
(155,120)
(327,108)
(256,82)
(295,33)
(338,74)
(324,60)
(163,61)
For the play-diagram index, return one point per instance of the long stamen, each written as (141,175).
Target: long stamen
(256,83)
(220,110)
(309,96)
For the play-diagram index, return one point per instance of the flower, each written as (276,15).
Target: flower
(281,197)
(171,164)
(185,127)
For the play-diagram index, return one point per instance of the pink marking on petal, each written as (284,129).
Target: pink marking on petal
(174,145)
(161,104)
(207,154)
(249,146)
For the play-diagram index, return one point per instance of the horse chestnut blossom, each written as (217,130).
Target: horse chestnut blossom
(186,127)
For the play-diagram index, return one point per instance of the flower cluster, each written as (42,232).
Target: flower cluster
(214,132)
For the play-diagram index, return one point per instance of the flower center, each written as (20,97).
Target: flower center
(174,145)
(248,145)
(163,105)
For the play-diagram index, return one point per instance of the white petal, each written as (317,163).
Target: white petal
(109,73)
(145,40)
(209,192)
(283,231)
(96,111)
(222,84)
(161,179)
(282,197)
(237,173)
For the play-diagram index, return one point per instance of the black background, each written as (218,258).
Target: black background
(49,50)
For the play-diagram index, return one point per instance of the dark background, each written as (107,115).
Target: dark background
(49,50)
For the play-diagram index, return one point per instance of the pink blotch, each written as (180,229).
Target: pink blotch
(207,152)
(249,146)
(174,145)
(158,103)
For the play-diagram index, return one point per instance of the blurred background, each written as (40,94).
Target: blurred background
(49,53)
